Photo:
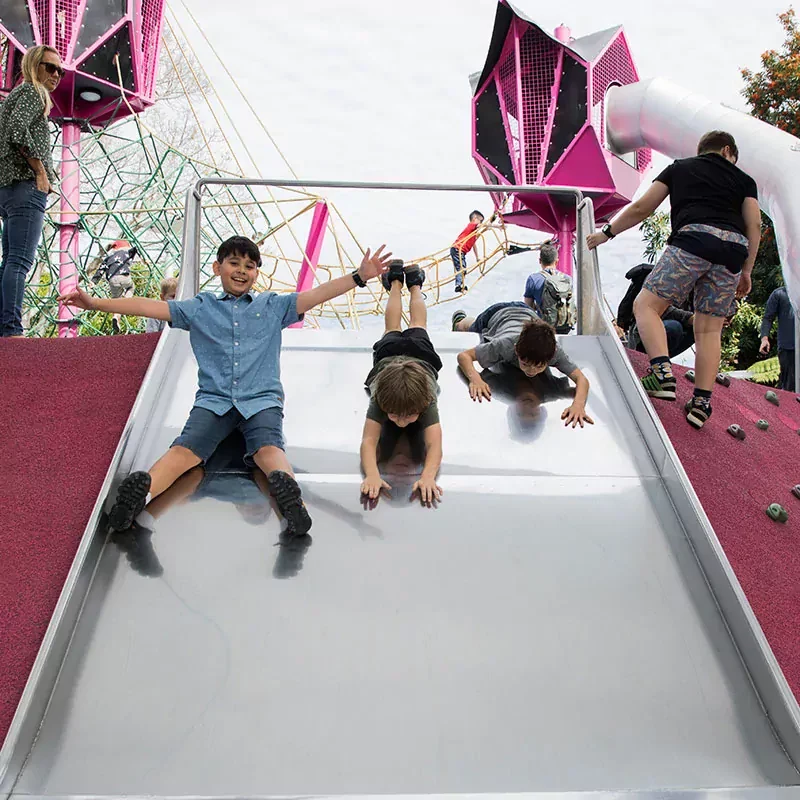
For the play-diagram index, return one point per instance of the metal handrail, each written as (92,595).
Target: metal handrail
(190,268)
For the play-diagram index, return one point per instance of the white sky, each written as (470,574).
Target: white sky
(379,91)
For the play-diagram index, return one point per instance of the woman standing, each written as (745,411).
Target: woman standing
(26,176)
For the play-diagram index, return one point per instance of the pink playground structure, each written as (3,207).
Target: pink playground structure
(109,49)
(538,116)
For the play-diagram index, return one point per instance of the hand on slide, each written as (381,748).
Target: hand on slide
(595,239)
(576,415)
(429,492)
(479,389)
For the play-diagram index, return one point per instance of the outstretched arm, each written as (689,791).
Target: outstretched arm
(576,413)
(372,266)
(429,491)
(131,306)
(638,211)
(373,484)
(478,388)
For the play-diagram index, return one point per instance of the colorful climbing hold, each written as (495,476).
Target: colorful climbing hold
(737,432)
(723,379)
(796,491)
(762,424)
(777,512)
(772,398)
(690,376)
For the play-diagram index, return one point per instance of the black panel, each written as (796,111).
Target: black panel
(16,19)
(571,110)
(490,135)
(502,22)
(99,18)
(101,63)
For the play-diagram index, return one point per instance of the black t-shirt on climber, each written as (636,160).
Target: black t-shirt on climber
(708,190)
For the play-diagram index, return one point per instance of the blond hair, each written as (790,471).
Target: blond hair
(404,387)
(169,284)
(30,72)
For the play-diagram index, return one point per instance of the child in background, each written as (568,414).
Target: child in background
(403,387)
(236,338)
(463,245)
(169,287)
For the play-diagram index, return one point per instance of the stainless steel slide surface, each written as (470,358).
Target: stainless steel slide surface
(547,627)
(564,621)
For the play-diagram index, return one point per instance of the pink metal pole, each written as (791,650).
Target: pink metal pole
(566,238)
(68,234)
(313,249)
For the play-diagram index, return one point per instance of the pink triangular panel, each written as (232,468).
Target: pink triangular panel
(583,165)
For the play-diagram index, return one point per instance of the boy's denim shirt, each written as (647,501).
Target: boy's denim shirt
(237,344)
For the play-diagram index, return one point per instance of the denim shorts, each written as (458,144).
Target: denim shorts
(204,431)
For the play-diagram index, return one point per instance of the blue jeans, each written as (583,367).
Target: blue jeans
(484,318)
(22,213)
(460,265)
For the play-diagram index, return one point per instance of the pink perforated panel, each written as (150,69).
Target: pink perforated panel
(614,67)
(538,60)
(152,14)
(66,14)
(507,79)
(42,8)
(4,53)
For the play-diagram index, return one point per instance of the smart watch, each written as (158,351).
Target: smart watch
(359,281)
(606,230)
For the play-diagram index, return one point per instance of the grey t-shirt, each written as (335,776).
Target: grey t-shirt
(154,325)
(499,340)
(430,416)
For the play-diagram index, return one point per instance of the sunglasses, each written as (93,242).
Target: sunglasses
(53,69)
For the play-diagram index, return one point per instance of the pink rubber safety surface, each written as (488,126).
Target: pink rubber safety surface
(63,405)
(736,481)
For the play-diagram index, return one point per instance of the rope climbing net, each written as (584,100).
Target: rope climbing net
(134,179)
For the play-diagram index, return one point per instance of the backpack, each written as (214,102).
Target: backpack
(557,307)
(636,276)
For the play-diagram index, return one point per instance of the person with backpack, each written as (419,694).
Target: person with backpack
(549,292)
(115,267)
(678,322)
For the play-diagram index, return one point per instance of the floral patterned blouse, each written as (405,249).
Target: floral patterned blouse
(24,133)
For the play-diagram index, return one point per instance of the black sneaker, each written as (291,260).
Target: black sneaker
(457,317)
(114,327)
(415,276)
(292,551)
(660,388)
(130,502)
(138,548)
(698,411)
(462,288)
(283,487)
(394,273)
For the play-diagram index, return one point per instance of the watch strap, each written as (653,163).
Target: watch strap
(359,281)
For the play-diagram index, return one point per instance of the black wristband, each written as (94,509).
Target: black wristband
(358,280)
(606,229)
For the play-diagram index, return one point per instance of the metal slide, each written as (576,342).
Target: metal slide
(564,621)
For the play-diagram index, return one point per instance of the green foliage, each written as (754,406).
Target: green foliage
(773,92)
(740,340)
(766,372)
(655,232)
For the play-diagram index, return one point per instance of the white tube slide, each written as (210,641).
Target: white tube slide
(656,113)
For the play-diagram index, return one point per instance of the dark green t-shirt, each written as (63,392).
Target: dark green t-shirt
(430,416)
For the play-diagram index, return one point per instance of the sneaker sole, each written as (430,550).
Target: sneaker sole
(662,394)
(284,488)
(130,502)
(695,421)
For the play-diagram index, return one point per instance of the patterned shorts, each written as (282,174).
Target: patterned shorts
(678,273)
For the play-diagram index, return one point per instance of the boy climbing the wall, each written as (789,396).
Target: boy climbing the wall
(236,338)
(403,387)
